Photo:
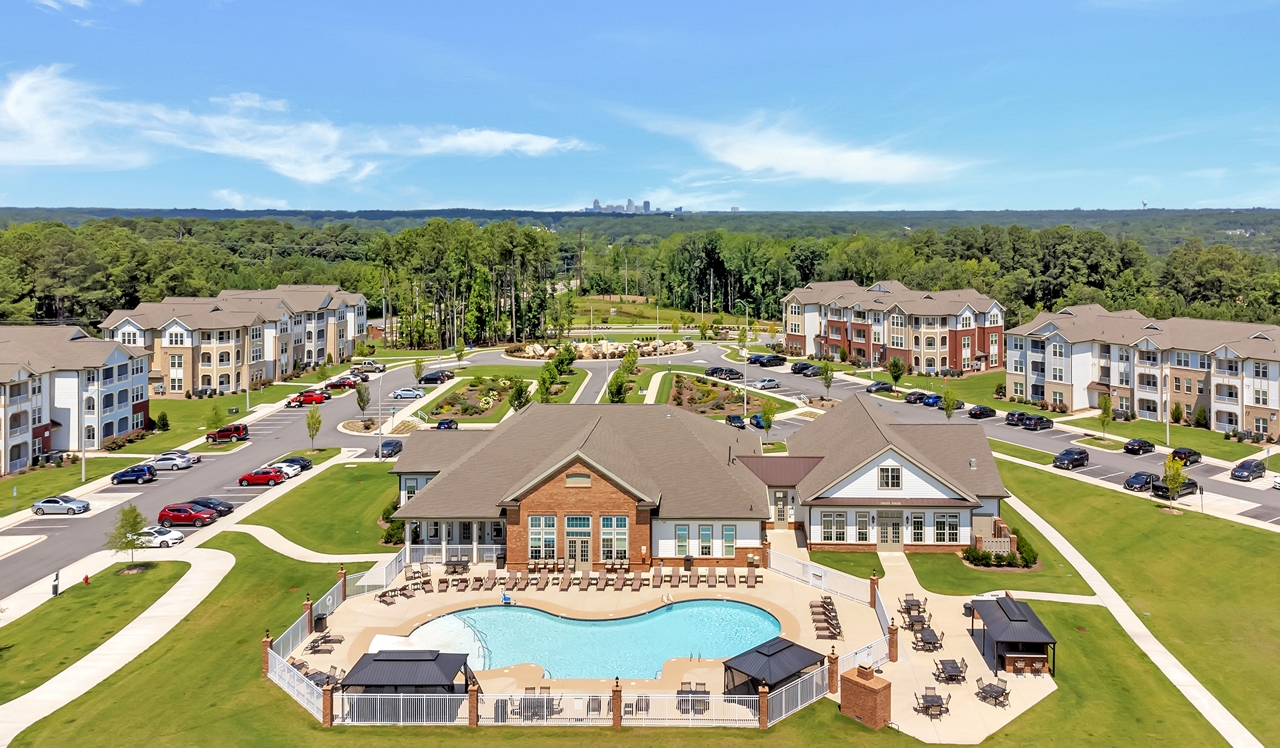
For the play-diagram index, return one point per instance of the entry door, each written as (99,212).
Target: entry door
(780,506)
(890,532)
(580,548)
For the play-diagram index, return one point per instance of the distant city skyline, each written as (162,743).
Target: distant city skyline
(630,207)
(399,105)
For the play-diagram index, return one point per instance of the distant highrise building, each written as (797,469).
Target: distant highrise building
(733,209)
(646,206)
(631,206)
(595,204)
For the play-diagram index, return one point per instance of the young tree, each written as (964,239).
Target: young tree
(675,327)
(1173,477)
(768,410)
(742,337)
(948,400)
(519,396)
(1175,413)
(419,366)
(362,397)
(1202,418)
(897,368)
(564,359)
(458,350)
(828,376)
(773,330)
(313,424)
(214,416)
(322,371)
(703,330)
(617,387)
(546,379)
(124,533)
(162,421)
(1104,405)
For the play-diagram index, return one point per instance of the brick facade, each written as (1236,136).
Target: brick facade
(866,697)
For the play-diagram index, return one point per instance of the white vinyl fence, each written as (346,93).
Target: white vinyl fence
(876,653)
(816,575)
(328,602)
(439,554)
(795,696)
(713,710)
(378,577)
(400,709)
(296,685)
(546,709)
(882,614)
(292,638)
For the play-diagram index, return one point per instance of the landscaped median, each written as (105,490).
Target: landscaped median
(1206,442)
(50,481)
(1019,451)
(337,511)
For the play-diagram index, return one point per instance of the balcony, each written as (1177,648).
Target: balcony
(1226,372)
(17,400)
(18,431)
(1228,399)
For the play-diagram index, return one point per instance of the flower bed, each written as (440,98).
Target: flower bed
(477,398)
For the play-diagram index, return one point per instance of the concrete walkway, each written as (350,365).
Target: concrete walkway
(285,547)
(1222,720)
(1051,597)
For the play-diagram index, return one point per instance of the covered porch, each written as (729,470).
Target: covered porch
(475,541)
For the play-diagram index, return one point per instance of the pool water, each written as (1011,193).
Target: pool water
(634,647)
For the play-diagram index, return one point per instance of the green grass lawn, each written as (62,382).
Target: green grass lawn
(1206,442)
(1097,441)
(594,309)
(216,447)
(643,381)
(946,573)
(46,641)
(857,563)
(774,447)
(46,482)
(188,420)
(1208,588)
(273,393)
(335,512)
(574,379)
(1021,452)
(975,389)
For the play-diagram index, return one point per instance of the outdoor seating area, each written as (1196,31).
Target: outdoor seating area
(995,694)
(933,704)
(321,678)
(826,620)
(917,619)
(950,671)
(1013,637)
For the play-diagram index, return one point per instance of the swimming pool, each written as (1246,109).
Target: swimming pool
(634,647)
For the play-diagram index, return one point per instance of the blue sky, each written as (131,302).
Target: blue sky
(840,106)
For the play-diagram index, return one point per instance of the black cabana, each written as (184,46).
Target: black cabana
(409,671)
(1014,630)
(777,662)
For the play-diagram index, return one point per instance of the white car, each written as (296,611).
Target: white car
(289,469)
(159,537)
(410,393)
(170,462)
(193,456)
(767,383)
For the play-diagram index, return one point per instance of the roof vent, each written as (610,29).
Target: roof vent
(973,463)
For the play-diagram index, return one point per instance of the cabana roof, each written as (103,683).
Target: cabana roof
(1006,620)
(405,668)
(774,661)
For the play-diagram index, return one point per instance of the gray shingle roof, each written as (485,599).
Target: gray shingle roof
(55,348)
(886,294)
(1079,324)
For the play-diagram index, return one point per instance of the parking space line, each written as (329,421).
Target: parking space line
(1110,475)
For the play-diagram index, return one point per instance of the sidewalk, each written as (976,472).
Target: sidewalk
(285,547)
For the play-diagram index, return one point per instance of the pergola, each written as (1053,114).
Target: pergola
(396,671)
(777,662)
(1014,629)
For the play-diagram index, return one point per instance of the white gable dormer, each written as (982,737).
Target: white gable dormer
(916,482)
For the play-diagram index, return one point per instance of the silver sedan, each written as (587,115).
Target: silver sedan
(767,383)
(171,462)
(60,505)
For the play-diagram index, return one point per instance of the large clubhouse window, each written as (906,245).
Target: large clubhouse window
(410,487)
(833,527)
(729,540)
(704,540)
(613,538)
(577,537)
(682,540)
(542,537)
(864,527)
(891,477)
(466,532)
(946,528)
(495,531)
(577,480)
(917,528)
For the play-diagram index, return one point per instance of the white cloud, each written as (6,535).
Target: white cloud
(761,148)
(233,199)
(47,118)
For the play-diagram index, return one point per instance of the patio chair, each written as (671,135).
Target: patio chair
(321,650)
(931,690)
(752,579)
(406,591)
(693,579)
(910,595)
(657,578)
(333,671)
(490,580)
(565,581)
(1019,667)
(636,582)
(593,706)
(642,705)
(964,668)
(386,599)
(334,638)
(543,579)
(442,585)
(731,579)
(619,581)
(1037,668)
(946,704)
(686,685)
(477,583)
(982,695)
(711,578)
(532,565)
(919,705)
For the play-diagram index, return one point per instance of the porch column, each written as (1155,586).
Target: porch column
(475,542)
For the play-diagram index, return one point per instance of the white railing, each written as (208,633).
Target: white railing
(378,577)
(548,709)
(353,583)
(710,710)
(296,685)
(439,554)
(882,614)
(400,709)
(876,653)
(822,577)
(292,638)
(795,696)
(328,602)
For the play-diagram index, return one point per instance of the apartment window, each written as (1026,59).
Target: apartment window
(138,421)
(37,416)
(946,528)
(255,354)
(1123,379)
(1203,361)
(410,488)
(863,527)
(37,386)
(255,333)
(897,320)
(1019,389)
(876,338)
(613,538)
(1057,350)
(1260,370)
(128,337)
(793,328)
(224,358)
(1017,344)
(1124,403)
(728,540)
(993,318)
(682,540)
(917,528)
(138,394)
(897,341)
(297,320)
(704,540)
(1018,366)
(1260,397)
(944,342)
(1149,358)
(1056,375)
(966,322)
(1125,354)
(890,477)
(930,342)
(965,343)
(1177,384)
(542,537)
(311,317)
(993,342)
(122,371)
(1260,425)
(1200,387)
(577,538)
(1182,359)
(175,361)
(206,359)
(237,336)
(239,357)
(177,339)
(175,384)
(206,337)
(224,336)
(466,532)
(496,529)
(138,366)
(1057,397)
(833,527)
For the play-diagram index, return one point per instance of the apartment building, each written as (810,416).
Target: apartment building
(240,337)
(1071,356)
(64,390)
(930,330)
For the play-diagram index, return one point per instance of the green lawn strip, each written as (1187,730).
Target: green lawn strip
(187,421)
(975,389)
(1209,589)
(1209,443)
(335,512)
(46,641)
(273,393)
(774,447)
(216,447)
(528,371)
(642,382)
(1097,441)
(324,454)
(45,482)
(1021,452)
(947,574)
(211,663)
(574,380)
(857,563)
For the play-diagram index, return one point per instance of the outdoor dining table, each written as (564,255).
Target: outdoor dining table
(917,622)
(929,638)
(912,604)
(951,670)
(992,691)
(931,700)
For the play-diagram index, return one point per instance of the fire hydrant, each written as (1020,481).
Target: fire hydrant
(86,580)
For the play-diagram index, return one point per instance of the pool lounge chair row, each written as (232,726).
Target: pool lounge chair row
(617,580)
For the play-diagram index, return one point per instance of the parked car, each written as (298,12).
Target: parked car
(408,393)
(875,387)
(1036,422)
(1138,447)
(342,383)
(170,462)
(289,469)
(713,371)
(266,476)
(223,508)
(154,536)
(959,404)
(389,448)
(136,474)
(755,358)
(757,420)
(730,374)
(1140,481)
(766,383)
(735,421)
(1014,417)
(812,371)
(186,514)
(1160,491)
(932,400)
(773,360)
(369,365)
(355,376)
(303,399)
(301,462)
(914,397)
(433,377)
(982,411)
(326,394)
(1249,470)
(1188,455)
(1071,458)
(193,456)
(60,505)
(235,432)
(447,373)
(446,423)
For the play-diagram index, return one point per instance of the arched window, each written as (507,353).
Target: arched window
(929,342)
(122,397)
(310,354)
(206,381)
(206,359)
(122,425)
(108,401)
(944,362)
(928,364)
(90,433)
(108,429)
(916,362)
(224,380)
(238,359)
(237,380)
(916,341)
(90,404)
(224,358)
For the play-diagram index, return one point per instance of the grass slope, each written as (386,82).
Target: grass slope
(335,512)
(49,639)
(975,389)
(858,564)
(1021,452)
(1204,441)
(1209,589)
(46,482)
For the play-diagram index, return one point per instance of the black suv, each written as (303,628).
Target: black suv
(1071,458)
(801,367)
(223,508)
(875,387)
(389,448)
(735,421)
(1036,422)
(1138,447)
(982,411)
(1160,491)
(301,462)
(1188,455)
(772,359)
(728,373)
(713,371)
(1248,470)
(433,377)
(1141,481)
(1014,417)
(914,397)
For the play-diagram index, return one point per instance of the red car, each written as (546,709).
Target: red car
(186,514)
(267,476)
(303,399)
(341,384)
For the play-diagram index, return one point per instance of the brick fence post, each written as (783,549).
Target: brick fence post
(764,706)
(342,579)
(893,641)
(473,705)
(266,652)
(764,555)
(833,671)
(1013,543)
(306,608)
(326,705)
(875,587)
(616,703)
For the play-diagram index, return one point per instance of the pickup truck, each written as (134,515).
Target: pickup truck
(236,432)
(369,366)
